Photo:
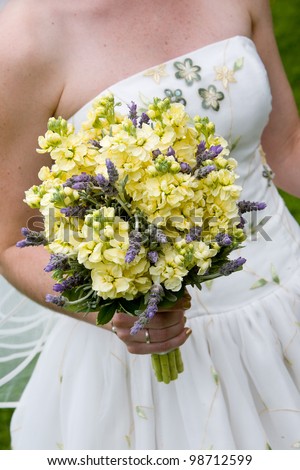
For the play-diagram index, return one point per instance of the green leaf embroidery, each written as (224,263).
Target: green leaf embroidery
(209,284)
(275,276)
(268,447)
(260,283)
(140,412)
(235,143)
(215,376)
(239,63)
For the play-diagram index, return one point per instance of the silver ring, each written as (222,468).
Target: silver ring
(113,328)
(147,336)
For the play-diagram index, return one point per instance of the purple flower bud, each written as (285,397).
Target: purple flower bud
(194,234)
(144,119)
(56,300)
(95,143)
(204,171)
(215,150)
(223,239)
(170,152)
(156,153)
(153,256)
(232,266)
(185,168)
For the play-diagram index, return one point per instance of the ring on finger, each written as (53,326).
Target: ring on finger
(147,336)
(113,328)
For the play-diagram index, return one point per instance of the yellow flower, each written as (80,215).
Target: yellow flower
(108,281)
(169,269)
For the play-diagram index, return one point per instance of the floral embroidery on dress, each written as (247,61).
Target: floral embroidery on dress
(211,97)
(226,75)
(267,171)
(157,73)
(175,96)
(262,281)
(187,71)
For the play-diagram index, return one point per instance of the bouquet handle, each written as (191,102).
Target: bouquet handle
(167,366)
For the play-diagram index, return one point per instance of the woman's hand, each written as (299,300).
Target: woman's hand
(166,331)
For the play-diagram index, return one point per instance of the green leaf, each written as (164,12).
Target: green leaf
(132,307)
(275,276)
(260,283)
(268,447)
(106,312)
(238,65)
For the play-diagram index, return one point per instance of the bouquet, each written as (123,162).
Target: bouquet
(136,207)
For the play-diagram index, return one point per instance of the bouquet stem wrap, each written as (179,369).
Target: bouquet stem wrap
(167,366)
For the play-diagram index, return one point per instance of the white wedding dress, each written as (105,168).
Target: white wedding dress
(241,384)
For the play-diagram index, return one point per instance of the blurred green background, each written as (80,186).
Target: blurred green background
(286,16)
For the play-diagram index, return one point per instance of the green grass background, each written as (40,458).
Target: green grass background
(286,16)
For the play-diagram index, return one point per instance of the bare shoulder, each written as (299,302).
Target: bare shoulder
(30,55)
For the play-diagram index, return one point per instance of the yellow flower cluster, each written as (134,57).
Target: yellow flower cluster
(158,179)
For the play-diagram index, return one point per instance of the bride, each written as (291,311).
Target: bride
(91,388)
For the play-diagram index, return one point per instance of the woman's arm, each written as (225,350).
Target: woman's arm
(281,138)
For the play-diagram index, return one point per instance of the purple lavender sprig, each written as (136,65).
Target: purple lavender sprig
(133,113)
(112,171)
(232,266)
(74,211)
(156,295)
(80,182)
(33,238)
(249,206)
(68,283)
(58,261)
(135,243)
(59,300)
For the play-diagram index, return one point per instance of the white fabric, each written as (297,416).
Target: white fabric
(240,388)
